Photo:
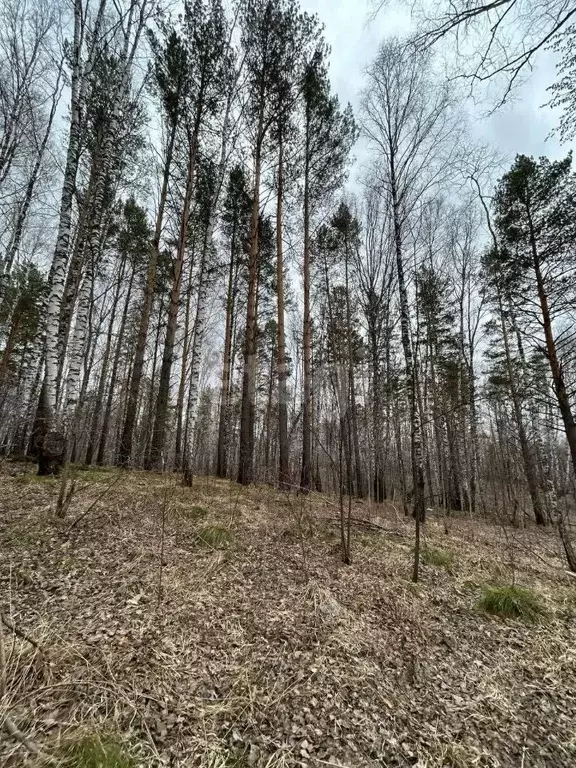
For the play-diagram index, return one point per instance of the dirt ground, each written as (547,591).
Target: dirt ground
(216,626)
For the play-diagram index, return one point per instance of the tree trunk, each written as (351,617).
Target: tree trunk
(195,357)
(528,456)
(352,414)
(417,458)
(148,423)
(160,425)
(246,457)
(284,469)
(183,372)
(555,366)
(11,339)
(148,298)
(114,374)
(222,460)
(95,421)
(307,340)
(59,265)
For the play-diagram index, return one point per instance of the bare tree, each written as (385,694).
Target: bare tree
(496,39)
(409,124)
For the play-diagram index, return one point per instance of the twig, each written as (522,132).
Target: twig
(94,503)
(5,720)
(366,524)
(2,664)
(20,633)
(162,537)
(17,734)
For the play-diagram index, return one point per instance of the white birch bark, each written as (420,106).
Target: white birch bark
(108,164)
(57,280)
(76,350)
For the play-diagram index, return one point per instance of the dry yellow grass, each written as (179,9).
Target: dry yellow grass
(270,652)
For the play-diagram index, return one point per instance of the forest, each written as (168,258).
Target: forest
(287,389)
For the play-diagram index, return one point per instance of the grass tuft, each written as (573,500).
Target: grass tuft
(27,478)
(93,750)
(438,557)
(194,512)
(215,536)
(94,474)
(513,602)
(456,756)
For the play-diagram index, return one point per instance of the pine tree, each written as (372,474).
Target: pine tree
(535,207)
(329,134)
(275,36)
(236,222)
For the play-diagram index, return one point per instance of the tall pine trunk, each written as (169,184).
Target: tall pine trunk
(114,373)
(307,340)
(160,423)
(183,375)
(246,457)
(125,454)
(284,468)
(528,456)
(222,458)
(559,384)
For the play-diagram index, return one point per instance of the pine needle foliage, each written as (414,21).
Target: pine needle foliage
(512,602)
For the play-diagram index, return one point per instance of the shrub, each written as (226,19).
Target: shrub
(513,602)
(93,750)
(438,557)
(215,536)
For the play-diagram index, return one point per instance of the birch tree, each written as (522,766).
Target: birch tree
(407,121)
(85,61)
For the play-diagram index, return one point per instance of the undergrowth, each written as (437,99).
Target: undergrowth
(512,602)
(438,557)
(92,750)
(215,536)
(193,512)
(456,756)
(33,477)
(94,474)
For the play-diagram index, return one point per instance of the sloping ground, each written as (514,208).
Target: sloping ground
(238,638)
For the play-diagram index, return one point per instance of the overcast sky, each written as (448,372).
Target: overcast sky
(520,127)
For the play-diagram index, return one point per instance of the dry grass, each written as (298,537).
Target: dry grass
(272,653)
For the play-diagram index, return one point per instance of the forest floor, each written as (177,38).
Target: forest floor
(216,626)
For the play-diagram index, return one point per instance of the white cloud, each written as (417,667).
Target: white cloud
(522,126)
